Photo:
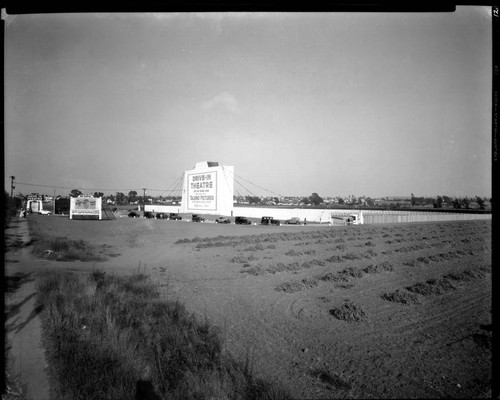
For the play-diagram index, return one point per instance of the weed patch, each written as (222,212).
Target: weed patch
(333,277)
(352,256)
(432,287)
(335,259)
(379,268)
(313,263)
(465,275)
(352,272)
(401,297)
(296,286)
(280,267)
(349,312)
(62,249)
(293,253)
(110,337)
(243,260)
(257,247)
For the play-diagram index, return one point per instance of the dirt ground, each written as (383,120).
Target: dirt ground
(371,311)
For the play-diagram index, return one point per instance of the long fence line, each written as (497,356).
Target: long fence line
(323,215)
(391,217)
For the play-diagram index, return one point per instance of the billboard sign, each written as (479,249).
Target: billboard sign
(85,206)
(202,191)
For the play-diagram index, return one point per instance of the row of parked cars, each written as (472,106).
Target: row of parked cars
(220,220)
(148,214)
(263,221)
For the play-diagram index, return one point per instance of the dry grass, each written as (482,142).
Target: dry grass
(109,337)
(62,249)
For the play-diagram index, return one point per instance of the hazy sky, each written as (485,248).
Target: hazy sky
(335,103)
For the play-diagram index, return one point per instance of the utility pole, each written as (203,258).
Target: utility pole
(12,187)
(144,199)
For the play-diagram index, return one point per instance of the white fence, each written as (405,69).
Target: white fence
(323,215)
(391,217)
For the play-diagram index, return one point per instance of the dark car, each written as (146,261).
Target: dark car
(133,214)
(197,218)
(293,220)
(149,214)
(174,217)
(242,221)
(223,220)
(269,221)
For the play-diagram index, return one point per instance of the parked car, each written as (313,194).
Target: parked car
(269,221)
(197,218)
(293,220)
(242,221)
(148,214)
(174,216)
(223,220)
(44,212)
(133,214)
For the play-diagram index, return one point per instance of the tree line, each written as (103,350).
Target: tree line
(315,199)
(441,201)
(123,199)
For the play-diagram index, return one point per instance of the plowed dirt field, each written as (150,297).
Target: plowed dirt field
(371,311)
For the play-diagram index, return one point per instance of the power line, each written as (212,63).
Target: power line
(251,183)
(90,189)
(176,186)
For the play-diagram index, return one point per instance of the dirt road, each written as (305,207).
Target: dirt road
(22,324)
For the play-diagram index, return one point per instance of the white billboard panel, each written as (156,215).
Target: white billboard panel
(208,189)
(85,206)
(202,191)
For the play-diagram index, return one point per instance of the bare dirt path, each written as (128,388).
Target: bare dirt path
(22,324)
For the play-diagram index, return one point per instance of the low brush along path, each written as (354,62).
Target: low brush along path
(26,357)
